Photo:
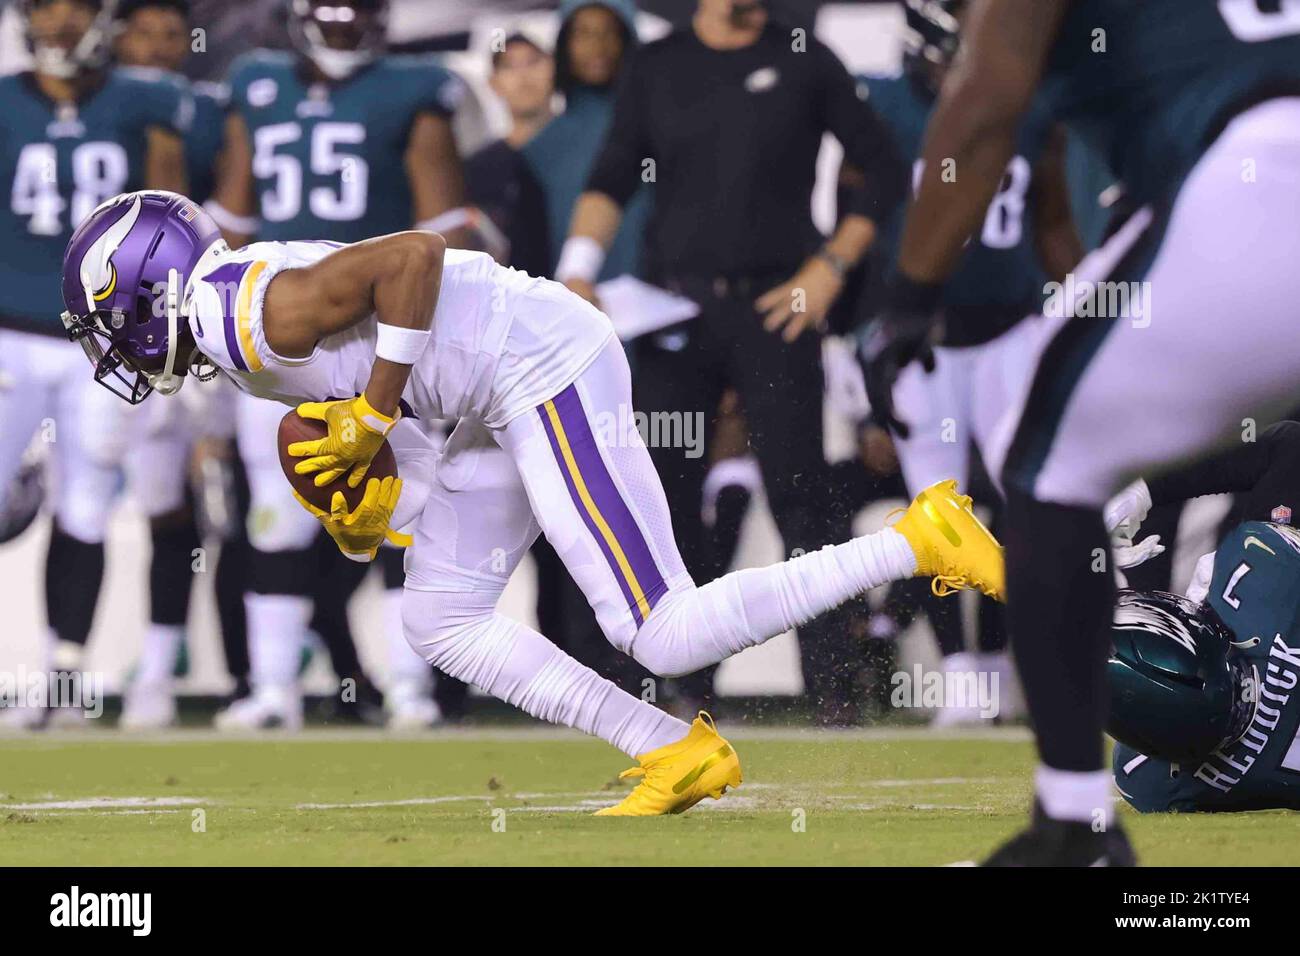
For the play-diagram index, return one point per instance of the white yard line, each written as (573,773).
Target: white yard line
(59,739)
(104,803)
(412,802)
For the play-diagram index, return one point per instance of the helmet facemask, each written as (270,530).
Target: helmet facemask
(339,36)
(89,53)
(115,368)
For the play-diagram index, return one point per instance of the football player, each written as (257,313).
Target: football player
(1196,105)
(525,366)
(1203,699)
(1026,237)
(153,38)
(73,133)
(309,154)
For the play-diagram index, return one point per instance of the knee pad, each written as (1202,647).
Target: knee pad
(281,572)
(171,572)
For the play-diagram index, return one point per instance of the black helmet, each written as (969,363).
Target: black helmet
(1179,689)
(931,38)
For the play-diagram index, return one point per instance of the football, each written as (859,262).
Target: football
(295,428)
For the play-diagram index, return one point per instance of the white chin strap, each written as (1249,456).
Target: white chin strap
(54,61)
(336,64)
(167,382)
(339,64)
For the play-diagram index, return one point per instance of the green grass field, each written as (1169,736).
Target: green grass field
(890,797)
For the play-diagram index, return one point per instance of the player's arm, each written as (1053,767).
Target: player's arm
(972,132)
(615,178)
(394,277)
(969,140)
(233,203)
(437,179)
(164,160)
(1057,237)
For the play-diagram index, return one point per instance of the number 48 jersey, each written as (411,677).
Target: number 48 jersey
(1256,592)
(57,163)
(328,158)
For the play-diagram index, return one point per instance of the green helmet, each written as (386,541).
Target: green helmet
(1179,690)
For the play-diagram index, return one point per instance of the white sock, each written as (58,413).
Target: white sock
(1073,795)
(158,654)
(463,636)
(277,630)
(404,665)
(694,627)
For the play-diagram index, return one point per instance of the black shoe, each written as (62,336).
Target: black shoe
(1048,842)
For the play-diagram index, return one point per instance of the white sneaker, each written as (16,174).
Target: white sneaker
(411,706)
(960,675)
(267,708)
(1011,701)
(148,707)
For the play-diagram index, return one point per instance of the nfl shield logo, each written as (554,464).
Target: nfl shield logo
(1281,515)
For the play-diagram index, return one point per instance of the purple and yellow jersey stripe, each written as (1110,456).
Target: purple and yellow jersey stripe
(600,504)
(234,282)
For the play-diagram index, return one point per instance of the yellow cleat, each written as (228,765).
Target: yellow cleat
(951,545)
(678,776)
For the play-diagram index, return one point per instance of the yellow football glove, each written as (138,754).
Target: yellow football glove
(360,533)
(356,432)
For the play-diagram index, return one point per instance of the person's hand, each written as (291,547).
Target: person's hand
(901,333)
(1125,512)
(356,433)
(803,302)
(359,533)
(585,289)
(878,451)
(1130,555)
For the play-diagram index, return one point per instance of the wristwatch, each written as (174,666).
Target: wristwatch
(838,263)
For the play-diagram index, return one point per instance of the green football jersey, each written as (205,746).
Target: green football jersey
(999,279)
(57,163)
(1149,82)
(1256,592)
(328,158)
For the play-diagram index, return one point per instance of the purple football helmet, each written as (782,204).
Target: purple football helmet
(125,273)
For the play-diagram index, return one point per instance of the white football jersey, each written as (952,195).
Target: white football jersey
(502,341)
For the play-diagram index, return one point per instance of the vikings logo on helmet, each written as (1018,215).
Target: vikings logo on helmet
(125,272)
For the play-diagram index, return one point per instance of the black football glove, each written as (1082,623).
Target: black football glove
(901,334)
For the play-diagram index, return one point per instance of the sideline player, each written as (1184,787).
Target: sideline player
(308,155)
(1026,237)
(1196,104)
(527,366)
(153,40)
(73,132)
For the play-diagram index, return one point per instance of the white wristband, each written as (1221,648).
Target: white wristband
(447,221)
(581,258)
(403,346)
(229,221)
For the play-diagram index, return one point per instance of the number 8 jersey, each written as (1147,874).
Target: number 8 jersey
(57,163)
(318,149)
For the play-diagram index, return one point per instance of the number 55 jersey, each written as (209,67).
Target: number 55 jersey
(328,158)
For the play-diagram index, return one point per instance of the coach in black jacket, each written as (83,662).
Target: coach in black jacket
(725,120)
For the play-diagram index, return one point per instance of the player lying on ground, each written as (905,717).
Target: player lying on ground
(362,331)
(1203,688)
